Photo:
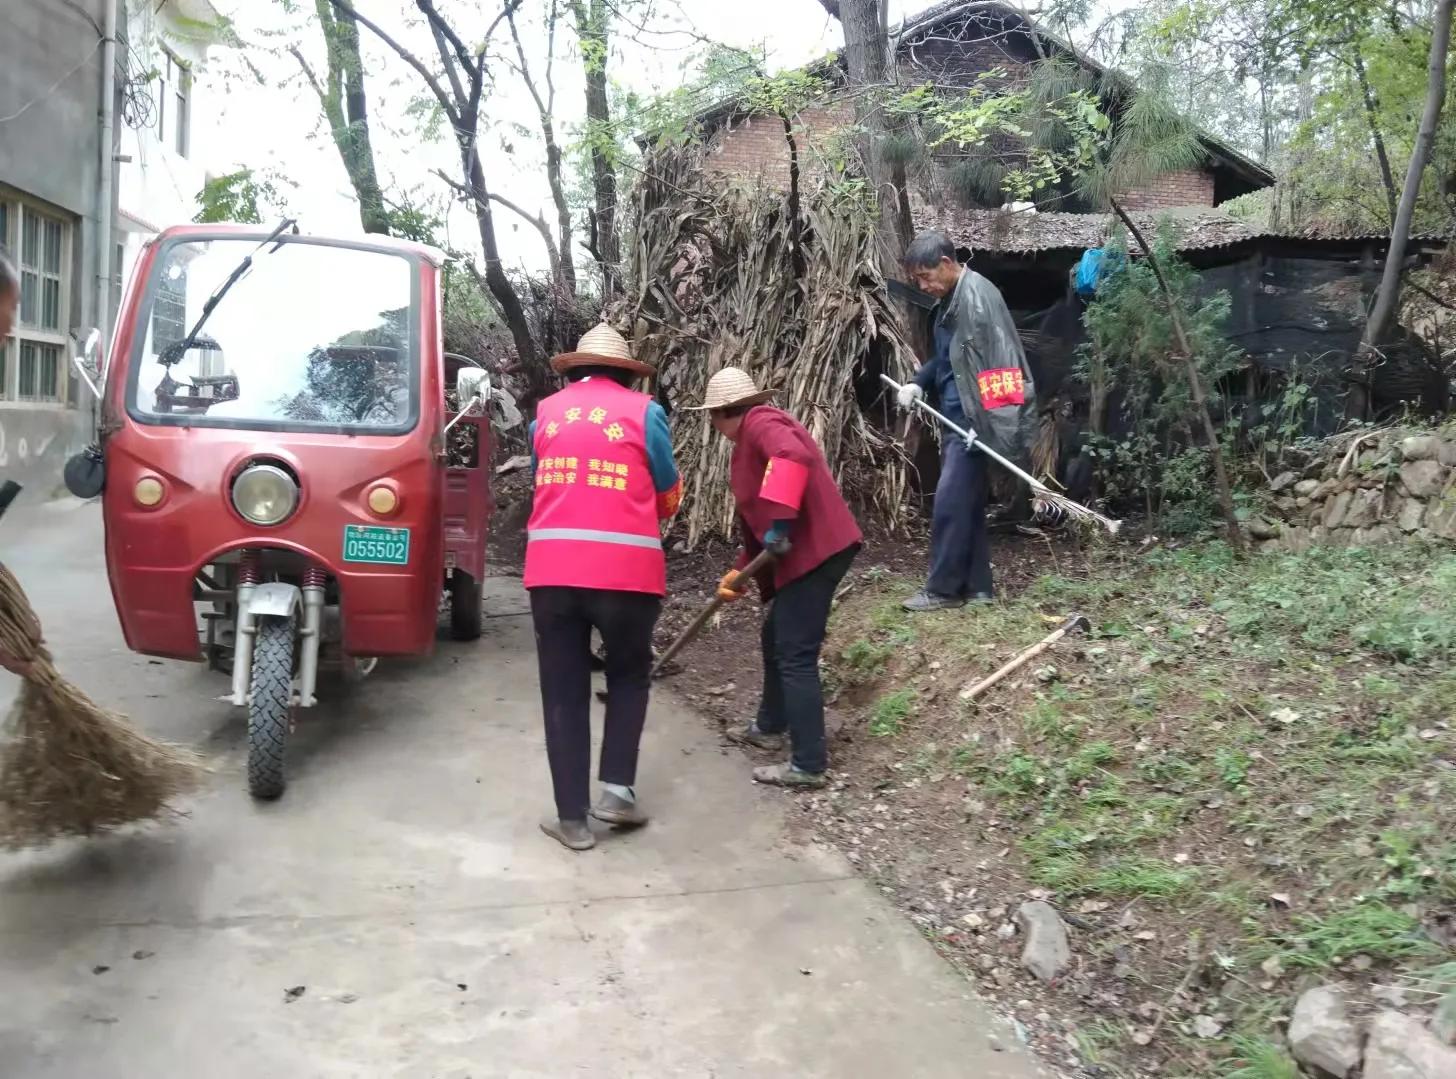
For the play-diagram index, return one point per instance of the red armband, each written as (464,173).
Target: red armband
(784,482)
(668,501)
(1001,387)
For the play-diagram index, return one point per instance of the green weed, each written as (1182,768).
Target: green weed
(1233,765)
(890,713)
(1139,878)
(1257,1059)
(1370,928)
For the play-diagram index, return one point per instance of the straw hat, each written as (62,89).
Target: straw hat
(601,347)
(731,387)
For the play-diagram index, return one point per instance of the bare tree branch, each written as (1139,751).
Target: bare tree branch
(404,54)
(442,29)
(308,73)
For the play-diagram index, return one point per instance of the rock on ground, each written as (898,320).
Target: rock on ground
(1402,1048)
(1444,1021)
(1047,953)
(1321,1035)
(1423,479)
(1412,513)
(1421,448)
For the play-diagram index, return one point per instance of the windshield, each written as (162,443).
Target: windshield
(310,336)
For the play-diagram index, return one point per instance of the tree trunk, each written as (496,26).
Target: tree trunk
(1372,117)
(593,29)
(1195,387)
(496,280)
(347,108)
(563,268)
(460,96)
(1387,296)
(871,69)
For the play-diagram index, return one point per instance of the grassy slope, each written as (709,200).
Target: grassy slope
(1259,758)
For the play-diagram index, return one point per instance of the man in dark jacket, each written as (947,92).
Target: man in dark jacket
(788,504)
(980,381)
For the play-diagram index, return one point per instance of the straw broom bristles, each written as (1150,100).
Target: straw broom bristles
(71,767)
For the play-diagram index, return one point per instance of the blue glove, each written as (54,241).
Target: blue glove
(776,539)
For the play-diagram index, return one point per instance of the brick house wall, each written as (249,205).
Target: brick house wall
(753,148)
(1189,187)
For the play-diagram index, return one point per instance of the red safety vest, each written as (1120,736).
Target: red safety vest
(594,517)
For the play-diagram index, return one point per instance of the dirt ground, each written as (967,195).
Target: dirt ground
(1242,783)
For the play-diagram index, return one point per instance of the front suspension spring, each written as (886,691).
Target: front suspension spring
(248,572)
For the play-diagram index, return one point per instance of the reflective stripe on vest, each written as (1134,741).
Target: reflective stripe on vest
(594,535)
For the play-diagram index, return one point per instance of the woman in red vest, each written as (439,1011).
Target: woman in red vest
(605,478)
(789,505)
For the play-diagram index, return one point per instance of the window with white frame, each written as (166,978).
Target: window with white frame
(32,365)
(174,103)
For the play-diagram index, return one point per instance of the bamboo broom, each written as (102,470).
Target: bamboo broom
(71,767)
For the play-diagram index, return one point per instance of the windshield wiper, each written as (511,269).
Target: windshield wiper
(178,349)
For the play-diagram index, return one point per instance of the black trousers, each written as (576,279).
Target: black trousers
(564,619)
(960,546)
(793,634)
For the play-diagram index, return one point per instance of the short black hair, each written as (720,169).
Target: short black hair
(927,249)
(620,376)
(9,278)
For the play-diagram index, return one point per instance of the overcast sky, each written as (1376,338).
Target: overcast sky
(240,123)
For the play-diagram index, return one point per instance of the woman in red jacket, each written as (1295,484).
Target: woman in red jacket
(789,505)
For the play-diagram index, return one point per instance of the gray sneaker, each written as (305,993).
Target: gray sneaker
(573,834)
(614,809)
(752,736)
(925,601)
(982,599)
(786,775)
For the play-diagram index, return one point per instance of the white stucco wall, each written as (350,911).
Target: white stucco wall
(158,186)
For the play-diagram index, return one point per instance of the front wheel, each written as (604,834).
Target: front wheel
(465,604)
(270,705)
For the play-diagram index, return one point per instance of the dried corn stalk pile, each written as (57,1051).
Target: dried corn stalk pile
(712,283)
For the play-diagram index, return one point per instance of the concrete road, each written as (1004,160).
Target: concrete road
(403,886)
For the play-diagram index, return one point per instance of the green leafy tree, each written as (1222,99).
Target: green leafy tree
(1134,354)
(246,196)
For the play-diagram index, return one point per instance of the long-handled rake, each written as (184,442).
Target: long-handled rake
(1045,500)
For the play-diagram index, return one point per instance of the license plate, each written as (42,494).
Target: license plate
(382,546)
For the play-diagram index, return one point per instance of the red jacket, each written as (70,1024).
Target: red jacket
(595,512)
(822,523)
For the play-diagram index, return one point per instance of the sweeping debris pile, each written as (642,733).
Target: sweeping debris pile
(71,767)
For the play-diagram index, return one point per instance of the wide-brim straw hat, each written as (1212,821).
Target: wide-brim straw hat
(731,387)
(601,347)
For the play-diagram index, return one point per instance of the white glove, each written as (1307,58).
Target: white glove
(909,394)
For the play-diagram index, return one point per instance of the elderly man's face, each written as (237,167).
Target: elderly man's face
(938,280)
(9,300)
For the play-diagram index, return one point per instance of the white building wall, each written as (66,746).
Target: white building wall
(159,178)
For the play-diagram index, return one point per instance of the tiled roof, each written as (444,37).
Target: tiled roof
(1026,232)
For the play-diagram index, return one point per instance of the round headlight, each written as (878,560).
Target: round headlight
(265,494)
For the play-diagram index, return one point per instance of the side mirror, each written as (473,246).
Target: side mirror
(85,364)
(472,388)
(472,391)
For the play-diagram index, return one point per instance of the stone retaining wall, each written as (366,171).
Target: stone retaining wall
(1399,486)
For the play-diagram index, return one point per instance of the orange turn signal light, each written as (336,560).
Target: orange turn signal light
(383,501)
(148,492)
